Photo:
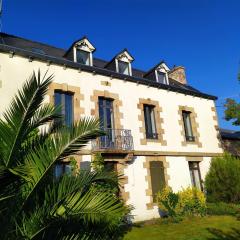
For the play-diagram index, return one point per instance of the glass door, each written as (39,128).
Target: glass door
(106,121)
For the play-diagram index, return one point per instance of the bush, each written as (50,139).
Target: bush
(167,201)
(189,201)
(192,202)
(222,182)
(222,208)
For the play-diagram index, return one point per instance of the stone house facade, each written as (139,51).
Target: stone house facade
(159,130)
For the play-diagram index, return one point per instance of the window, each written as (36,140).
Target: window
(62,168)
(195,175)
(105,106)
(123,67)
(83,57)
(161,77)
(150,124)
(188,126)
(65,100)
(157,177)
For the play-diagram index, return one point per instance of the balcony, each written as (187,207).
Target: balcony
(116,140)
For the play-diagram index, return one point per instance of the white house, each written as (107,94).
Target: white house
(160,130)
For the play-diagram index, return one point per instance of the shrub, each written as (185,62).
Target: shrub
(189,201)
(223,180)
(167,201)
(192,202)
(222,208)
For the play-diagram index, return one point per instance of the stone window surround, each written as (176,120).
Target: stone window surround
(77,97)
(158,121)
(215,118)
(146,165)
(195,126)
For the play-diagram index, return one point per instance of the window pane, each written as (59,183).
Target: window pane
(106,112)
(187,125)
(157,177)
(161,77)
(150,124)
(65,100)
(83,57)
(68,109)
(123,67)
(61,169)
(195,174)
(197,179)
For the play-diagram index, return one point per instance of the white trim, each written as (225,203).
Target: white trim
(166,81)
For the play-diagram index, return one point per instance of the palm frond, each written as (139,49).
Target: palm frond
(66,142)
(18,116)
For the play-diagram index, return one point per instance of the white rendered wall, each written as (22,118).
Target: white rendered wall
(14,71)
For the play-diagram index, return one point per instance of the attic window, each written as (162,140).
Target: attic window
(83,57)
(162,77)
(123,67)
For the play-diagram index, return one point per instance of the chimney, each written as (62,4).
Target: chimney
(178,74)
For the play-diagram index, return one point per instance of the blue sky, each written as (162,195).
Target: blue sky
(202,35)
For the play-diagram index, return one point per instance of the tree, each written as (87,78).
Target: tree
(33,203)
(222,182)
(232,110)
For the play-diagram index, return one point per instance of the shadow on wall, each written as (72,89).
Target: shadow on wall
(234,234)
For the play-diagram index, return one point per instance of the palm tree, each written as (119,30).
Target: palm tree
(33,203)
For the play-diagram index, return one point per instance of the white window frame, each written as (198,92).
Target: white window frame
(166,76)
(76,48)
(129,67)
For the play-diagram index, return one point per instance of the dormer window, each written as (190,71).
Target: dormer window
(82,52)
(158,73)
(83,57)
(123,67)
(162,77)
(123,62)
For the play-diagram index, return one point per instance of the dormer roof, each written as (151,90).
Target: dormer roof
(123,55)
(82,43)
(160,66)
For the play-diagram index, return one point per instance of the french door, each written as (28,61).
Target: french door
(106,118)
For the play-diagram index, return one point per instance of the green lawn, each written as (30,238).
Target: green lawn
(190,229)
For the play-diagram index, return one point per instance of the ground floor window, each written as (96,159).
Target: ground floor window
(195,175)
(62,168)
(158,181)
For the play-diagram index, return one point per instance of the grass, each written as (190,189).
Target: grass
(191,229)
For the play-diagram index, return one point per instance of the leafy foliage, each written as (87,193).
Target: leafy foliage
(98,165)
(223,181)
(189,201)
(221,208)
(33,203)
(232,111)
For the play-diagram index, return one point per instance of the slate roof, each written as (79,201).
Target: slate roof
(44,52)
(229,134)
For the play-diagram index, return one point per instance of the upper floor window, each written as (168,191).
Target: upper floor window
(162,77)
(150,124)
(105,106)
(65,100)
(123,67)
(186,115)
(195,175)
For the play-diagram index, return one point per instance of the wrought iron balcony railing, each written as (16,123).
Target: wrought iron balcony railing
(115,139)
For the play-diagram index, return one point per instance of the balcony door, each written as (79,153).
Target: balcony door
(106,118)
